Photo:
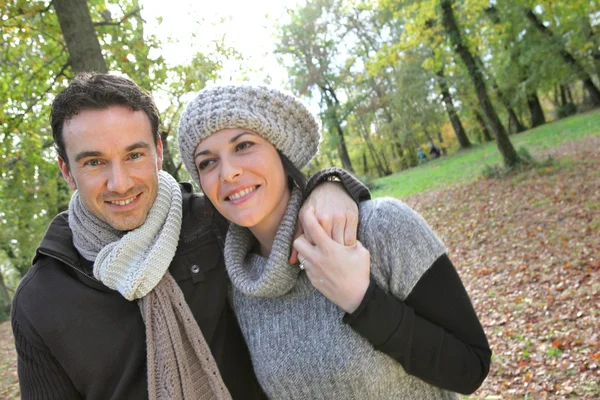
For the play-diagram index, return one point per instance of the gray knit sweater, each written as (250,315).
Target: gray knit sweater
(299,345)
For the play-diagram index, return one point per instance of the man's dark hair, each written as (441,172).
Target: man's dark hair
(96,91)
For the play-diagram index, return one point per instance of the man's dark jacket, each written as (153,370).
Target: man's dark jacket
(76,338)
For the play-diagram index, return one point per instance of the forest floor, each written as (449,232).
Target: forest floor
(528,250)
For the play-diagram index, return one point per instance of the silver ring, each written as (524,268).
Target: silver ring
(301,265)
(321,281)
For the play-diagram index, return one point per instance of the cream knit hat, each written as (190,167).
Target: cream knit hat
(278,117)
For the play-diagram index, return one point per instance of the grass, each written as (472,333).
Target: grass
(467,165)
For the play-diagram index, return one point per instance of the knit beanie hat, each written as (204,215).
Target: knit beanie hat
(276,116)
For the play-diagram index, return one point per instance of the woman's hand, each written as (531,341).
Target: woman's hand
(336,212)
(340,272)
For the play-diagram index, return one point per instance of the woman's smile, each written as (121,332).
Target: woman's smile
(241,195)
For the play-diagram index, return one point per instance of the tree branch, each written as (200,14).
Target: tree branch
(17,120)
(119,22)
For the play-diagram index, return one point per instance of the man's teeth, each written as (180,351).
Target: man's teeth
(123,202)
(241,194)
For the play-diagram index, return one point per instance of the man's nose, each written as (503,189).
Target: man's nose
(119,180)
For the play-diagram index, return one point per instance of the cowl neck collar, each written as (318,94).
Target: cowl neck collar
(254,274)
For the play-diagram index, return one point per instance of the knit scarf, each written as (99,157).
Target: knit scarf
(135,263)
(255,275)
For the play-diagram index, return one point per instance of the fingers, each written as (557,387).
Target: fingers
(338,231)
(350,231)
(314,230)
(306,249)
(294,255)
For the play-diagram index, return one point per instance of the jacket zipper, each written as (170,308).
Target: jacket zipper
(59,258)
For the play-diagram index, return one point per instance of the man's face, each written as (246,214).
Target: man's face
(113,163)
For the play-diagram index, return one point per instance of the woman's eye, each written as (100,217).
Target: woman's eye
(202,165)
(244,145)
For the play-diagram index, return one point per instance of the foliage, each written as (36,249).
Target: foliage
(466,166)
(566,110)
(368,68)
(35,66)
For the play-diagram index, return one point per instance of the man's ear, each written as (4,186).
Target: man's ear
(66,173)
(159,154)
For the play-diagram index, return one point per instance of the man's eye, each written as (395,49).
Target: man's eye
(93,163)
(202,165)
(135,156)
(244,145)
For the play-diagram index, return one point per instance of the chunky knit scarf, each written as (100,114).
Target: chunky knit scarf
(136,263)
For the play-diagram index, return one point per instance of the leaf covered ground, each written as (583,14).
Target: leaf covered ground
(528,250)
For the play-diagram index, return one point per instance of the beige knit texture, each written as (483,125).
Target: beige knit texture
(137,262)
(278,117)
(180,363)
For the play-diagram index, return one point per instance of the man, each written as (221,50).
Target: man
(127,295)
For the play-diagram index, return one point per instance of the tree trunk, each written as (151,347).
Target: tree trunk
(563,95)
(85,54)
(459,131)
(513,120)
(508,152)
(535,108)
(382,168)
(168,164)
(365,165)
(428,136)
(588,83)
(342,149)
(4,297)
(332,106)
(386,164)
(484,128)
(570,94)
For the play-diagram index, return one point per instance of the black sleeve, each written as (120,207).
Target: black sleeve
(40,375)
(355,188)
(435,333)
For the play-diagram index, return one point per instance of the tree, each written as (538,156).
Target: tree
(37,62)
(85,54)
(461,135)
(509,154)
(588,83)
(311,45)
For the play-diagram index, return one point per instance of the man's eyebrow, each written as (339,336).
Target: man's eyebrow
(137,145)
(232,140)
(86,154)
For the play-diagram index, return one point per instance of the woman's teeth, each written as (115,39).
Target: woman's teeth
(242,193)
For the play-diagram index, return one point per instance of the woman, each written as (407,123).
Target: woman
(387,318)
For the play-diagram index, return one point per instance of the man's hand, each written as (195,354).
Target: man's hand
(341,273)
(335,211)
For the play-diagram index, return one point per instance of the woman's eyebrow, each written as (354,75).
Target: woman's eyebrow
(232,140)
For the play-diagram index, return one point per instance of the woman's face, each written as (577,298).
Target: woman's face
(242,175)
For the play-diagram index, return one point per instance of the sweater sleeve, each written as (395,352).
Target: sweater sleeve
(434,332)
(355,188)
(40,375)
